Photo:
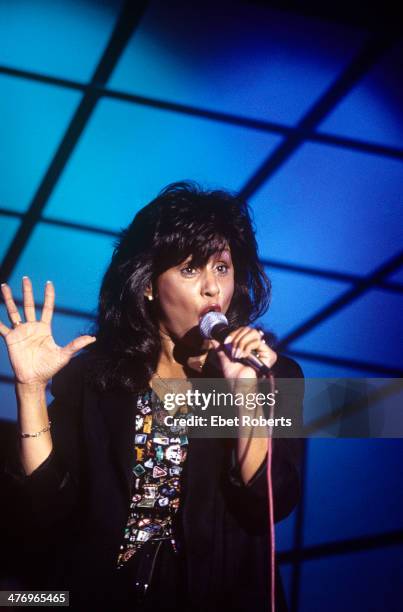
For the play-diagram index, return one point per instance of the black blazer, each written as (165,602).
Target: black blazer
(78,499)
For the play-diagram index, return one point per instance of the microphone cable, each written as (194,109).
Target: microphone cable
(272,546)
(271,503)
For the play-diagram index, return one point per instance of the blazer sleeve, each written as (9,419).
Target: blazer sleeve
(286,454)
(51,490)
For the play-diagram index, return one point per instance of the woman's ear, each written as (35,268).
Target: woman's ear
(148,294)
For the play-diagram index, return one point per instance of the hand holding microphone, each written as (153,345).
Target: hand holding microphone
(244,353)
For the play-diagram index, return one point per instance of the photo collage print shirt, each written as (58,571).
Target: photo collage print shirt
(160,454)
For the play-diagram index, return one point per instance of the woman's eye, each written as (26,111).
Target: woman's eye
(188,271)
(222,268)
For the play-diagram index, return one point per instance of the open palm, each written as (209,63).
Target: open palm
(34,355)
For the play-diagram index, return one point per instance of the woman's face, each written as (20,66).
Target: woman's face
(186,293)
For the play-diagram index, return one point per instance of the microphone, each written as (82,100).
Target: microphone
(214,325)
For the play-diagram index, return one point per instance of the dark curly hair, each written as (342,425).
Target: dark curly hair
(184,220)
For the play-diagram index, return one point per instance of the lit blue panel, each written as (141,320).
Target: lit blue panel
(369,329)
(315,369)
(367,580)
(33,119)
(332,208)
(285,532)
(128,153)
(8,228)
(74,261)
(296,297)
(286,573)
(372,111)
(358,483)
(235,57)
(55,37)
(8,406)
(5,367)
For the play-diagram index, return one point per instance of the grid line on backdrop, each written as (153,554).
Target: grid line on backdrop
(129,18)
(294,136)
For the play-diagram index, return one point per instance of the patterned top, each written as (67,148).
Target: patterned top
(160,455)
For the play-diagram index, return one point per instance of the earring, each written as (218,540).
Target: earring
(150,298)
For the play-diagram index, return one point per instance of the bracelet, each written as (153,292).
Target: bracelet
(38,433)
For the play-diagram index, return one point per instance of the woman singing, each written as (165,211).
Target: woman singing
(143,516)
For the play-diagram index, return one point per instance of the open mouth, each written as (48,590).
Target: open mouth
(210,308)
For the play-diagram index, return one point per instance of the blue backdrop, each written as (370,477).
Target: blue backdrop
(102,105)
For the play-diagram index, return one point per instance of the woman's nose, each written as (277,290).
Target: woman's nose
(210,286)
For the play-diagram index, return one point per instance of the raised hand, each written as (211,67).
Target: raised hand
(34,355)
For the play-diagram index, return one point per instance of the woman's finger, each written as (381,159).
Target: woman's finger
(49,303)
(249,345)
(233,340)
(253,342)
(247,335)
(262,350)
(12,310)
(77,344)
(236,334)
(28,299)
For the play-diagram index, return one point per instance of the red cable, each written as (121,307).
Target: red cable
(271,508)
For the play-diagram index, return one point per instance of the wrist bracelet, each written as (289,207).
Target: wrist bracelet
(38,433)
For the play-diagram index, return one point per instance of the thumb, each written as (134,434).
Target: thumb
(76,345)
